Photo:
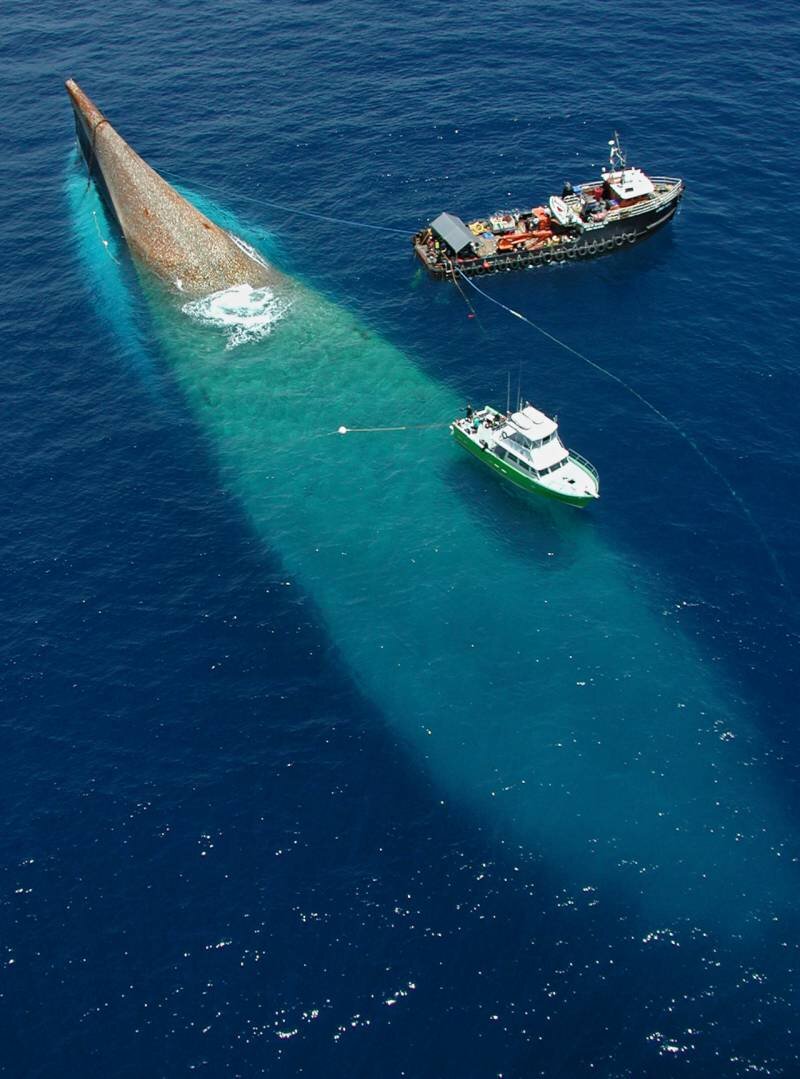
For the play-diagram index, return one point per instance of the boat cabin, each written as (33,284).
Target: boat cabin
(628,184)
(530,428)
(452,231)
(533,438)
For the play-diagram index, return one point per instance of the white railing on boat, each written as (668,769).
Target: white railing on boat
(657,202)
(670,182)
(579,460)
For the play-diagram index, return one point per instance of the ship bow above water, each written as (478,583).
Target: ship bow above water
(166,234)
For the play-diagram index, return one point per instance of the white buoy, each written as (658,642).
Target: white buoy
(342,430)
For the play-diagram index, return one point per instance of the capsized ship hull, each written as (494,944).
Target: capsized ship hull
(165,233)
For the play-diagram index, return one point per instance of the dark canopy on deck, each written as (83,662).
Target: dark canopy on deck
(453,231)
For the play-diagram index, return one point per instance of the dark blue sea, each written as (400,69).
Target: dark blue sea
(331,756)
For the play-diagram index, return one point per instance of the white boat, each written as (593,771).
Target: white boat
(525,447)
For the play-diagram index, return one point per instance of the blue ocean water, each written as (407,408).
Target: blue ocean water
(231,844)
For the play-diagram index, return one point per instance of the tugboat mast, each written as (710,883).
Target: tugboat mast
(616,156)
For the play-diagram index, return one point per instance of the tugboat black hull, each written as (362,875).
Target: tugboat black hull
(604,239)
(623,206)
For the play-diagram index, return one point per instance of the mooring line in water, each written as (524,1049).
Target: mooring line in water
(293,210)
(745,509)
(406,427)
(104,242)
(325,217)
(463,294)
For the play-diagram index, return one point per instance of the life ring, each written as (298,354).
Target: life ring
(631,238)
(619,241)
(608,245)
(548,256)
(591,249)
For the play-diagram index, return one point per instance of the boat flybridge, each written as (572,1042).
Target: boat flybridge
(525,447)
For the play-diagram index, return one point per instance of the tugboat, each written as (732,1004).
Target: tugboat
(524,446)
(593,218)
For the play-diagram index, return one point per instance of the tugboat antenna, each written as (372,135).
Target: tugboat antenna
(616,155)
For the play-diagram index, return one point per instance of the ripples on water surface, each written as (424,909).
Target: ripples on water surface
(332,757)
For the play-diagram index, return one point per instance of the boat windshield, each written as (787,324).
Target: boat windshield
(545,440)
(553,468)
(530,443)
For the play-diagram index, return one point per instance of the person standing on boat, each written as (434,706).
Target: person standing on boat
(469,410)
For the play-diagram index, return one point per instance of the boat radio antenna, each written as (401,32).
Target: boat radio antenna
(508,394)
(616,156)
(519,385)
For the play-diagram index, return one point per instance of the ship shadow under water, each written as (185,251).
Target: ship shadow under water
(595,758)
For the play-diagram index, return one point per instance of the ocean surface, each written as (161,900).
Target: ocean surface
(334,756)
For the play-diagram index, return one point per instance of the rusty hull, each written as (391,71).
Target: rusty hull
(189,253)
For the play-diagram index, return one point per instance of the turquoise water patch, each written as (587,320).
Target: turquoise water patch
(517,655)
(109,271)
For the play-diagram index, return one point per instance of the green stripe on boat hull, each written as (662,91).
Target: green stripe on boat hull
(525,482)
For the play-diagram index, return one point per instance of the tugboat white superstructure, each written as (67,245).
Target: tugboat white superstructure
(603,215)
(525,447)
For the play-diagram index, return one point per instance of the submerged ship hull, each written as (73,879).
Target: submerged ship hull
(165,234)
